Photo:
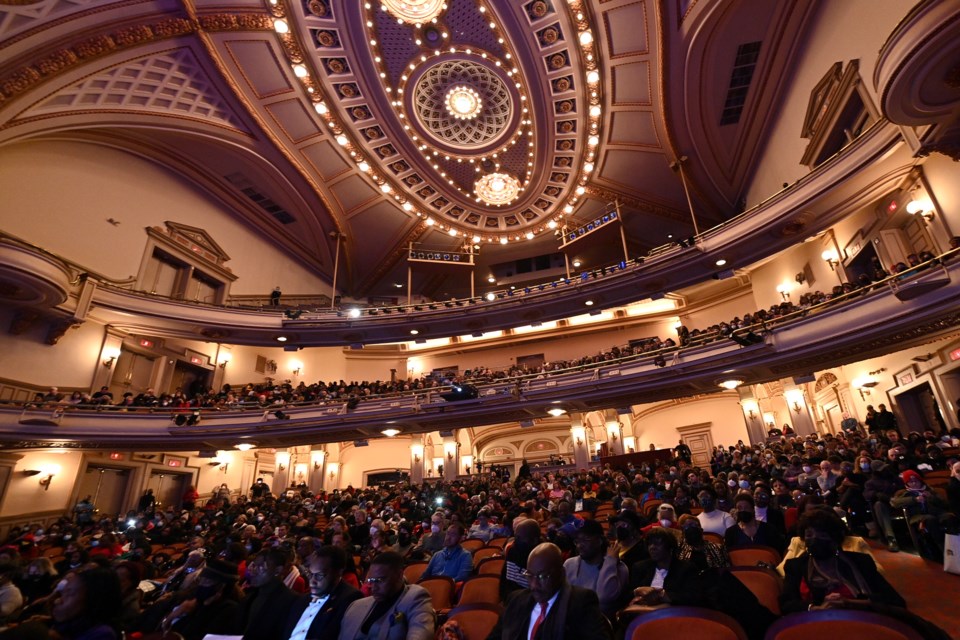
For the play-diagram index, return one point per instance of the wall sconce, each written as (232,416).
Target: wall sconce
(224,359)
(613,436)
(801,277)
(47,471)
(417,451)
(296,372)
(795,406)
(831,258)
(317,458)
(333,467)
(283,460)
(416,459)
(784,291)
(923,207)
(579,442)
(110,355)
(794,398)
(449,455)
(863,384)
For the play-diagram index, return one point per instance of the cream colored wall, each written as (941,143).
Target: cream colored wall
(383,454)
(359,366)
(25,495)
(842,31)
(318,364)
(943,174)
(58,195)
(784,268)
(561,347)
(726,309)
(71,363)
(657,423)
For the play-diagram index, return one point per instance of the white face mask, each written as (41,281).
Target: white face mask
(435,528)
(373,531)
(665,522)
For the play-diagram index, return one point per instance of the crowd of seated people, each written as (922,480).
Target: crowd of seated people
(278,395)
(647,537)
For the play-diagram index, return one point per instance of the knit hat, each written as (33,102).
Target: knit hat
(909,475)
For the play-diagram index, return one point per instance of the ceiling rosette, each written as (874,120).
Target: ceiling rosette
(482,119)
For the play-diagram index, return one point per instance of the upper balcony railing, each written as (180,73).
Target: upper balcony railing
(901,310)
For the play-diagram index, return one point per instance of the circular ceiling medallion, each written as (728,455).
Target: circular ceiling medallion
(463,102)
(497,189)
(414,11)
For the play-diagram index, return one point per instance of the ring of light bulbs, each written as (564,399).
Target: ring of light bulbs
(406,9)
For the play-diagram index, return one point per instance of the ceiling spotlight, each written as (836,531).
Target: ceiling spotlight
(243,446)
(491,296)
(414,332)
(589,303)
(390,432)
(720,262)
(281,338)
(491,279)
(556,412)
(354,313)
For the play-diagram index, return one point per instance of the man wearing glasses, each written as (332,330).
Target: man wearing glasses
(394,611)
(551,609)
(318,616)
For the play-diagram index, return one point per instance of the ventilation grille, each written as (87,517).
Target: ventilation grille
(279,213)
(740,79)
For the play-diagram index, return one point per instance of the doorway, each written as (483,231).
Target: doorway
(107,487)
(168,488)
(132,372)
(699,438)
(189,378)
(920,409)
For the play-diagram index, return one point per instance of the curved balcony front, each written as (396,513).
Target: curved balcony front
(906,311)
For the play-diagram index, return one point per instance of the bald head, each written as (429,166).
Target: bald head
(528,532)
(545,571)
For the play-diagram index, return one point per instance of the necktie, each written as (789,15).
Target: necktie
(539,620)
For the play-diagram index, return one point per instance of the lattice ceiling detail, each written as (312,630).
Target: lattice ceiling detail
(172,83)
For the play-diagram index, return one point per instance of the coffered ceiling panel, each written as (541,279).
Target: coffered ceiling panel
(633,128)
(325,160)
(293,119)
(631,84)
(627,29)
(260,67)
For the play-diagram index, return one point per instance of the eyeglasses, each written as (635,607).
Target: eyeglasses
(541,577)
(372,581)
(317,576)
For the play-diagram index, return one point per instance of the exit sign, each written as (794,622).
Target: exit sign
(174,463)
(955,354)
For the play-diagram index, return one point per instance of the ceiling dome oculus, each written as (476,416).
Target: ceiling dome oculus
(463,105)
(463,102)
(497,189)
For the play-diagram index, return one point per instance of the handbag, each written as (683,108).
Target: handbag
(951,553)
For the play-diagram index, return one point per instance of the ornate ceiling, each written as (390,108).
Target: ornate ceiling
(446,124)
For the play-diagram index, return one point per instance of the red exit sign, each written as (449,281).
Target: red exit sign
(955,354)
(196,360)
(146,343)
(174,463)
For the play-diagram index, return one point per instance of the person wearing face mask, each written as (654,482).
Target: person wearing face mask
(926,513)
(666,519)
(712,519)
(663,579)
(750,531)
(267,596)
(694,548)
(432,541)
(213,608)
(767,513)
(597,567)
(826,577)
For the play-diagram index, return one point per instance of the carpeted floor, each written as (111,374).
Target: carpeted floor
(930,592)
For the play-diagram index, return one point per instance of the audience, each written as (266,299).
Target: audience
(635,549)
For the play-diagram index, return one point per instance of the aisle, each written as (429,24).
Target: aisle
(930,592)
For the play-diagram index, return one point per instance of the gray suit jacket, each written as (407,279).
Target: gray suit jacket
(410,618)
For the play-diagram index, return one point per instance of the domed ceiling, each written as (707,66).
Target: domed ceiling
(381,125)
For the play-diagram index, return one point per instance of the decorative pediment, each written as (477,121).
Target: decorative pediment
(825,381)
(820,99)
(198,241)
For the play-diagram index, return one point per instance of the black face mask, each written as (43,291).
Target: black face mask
(821,549)
(693,536)
(745,517)
(623,533)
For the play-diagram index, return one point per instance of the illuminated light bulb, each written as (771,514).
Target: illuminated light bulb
(342,140)
(280,26)
(503,241)
(595,111)
(586,38)
(320,108)
(300,71)
(593,77)
(363,166)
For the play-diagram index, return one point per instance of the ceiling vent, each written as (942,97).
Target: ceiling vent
(279,213)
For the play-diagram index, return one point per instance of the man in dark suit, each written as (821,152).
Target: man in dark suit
(394,611)
(551,609)
(318,616)
(267,596)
